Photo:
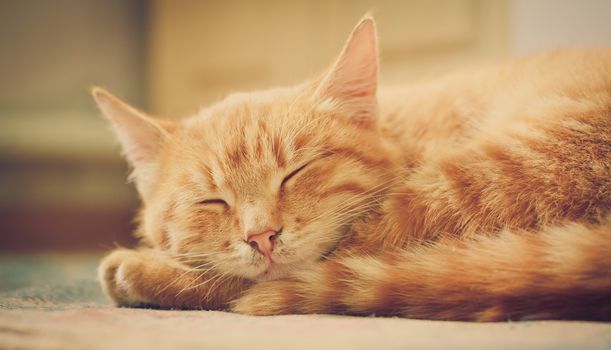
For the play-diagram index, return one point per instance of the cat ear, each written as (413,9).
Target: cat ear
(140,135)
(353,79)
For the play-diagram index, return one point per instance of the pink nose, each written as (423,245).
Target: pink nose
(263,242)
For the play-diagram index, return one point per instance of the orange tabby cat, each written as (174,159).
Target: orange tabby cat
(483,196)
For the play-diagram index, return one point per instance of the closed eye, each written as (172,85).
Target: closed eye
(213,201)
(293,173)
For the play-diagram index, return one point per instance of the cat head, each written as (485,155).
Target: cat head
(262,183)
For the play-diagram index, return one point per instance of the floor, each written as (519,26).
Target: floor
(53,302)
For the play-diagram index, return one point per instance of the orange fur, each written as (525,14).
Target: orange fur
(481,196)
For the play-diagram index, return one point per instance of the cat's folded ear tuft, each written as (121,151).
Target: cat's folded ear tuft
(353,79)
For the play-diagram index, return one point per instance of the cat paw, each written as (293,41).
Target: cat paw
(119,275)
(268,298)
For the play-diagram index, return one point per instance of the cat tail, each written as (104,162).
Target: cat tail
(558,273)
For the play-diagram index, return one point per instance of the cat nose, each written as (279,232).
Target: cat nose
(263,242)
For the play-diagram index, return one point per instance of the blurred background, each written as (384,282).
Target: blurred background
(62,182)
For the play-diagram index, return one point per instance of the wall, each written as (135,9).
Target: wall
(62,182)
(548,24)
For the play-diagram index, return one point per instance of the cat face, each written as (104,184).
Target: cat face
(250,168)
(262,183)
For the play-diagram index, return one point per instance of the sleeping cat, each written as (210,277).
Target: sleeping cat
(483,196)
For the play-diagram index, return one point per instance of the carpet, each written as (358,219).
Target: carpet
(54,302)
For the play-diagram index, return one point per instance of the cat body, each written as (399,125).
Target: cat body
(479,196)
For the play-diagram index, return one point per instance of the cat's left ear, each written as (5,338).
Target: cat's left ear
(353,80)
(141,136)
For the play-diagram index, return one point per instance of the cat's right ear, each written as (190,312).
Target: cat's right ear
(352,81)
(140,135)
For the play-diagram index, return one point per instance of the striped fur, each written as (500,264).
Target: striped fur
(480,196)
(559,272)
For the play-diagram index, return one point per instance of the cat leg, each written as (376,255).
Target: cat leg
(562,272)
(270,298)
(289,295)
(148,277)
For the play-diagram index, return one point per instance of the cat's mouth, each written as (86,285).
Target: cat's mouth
(271,265)
(272,270)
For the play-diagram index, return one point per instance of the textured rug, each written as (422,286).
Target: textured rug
(53,302)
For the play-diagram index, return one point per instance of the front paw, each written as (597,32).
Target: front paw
(118,274)
(269,298)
